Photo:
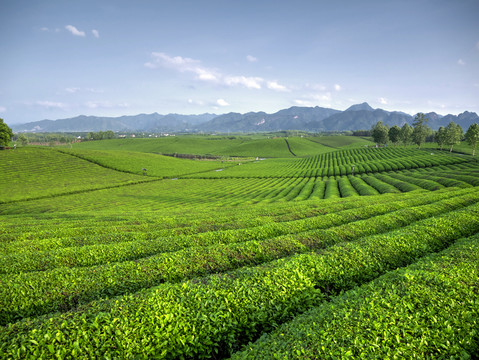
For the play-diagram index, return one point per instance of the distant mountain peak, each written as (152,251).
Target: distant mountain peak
(359,107)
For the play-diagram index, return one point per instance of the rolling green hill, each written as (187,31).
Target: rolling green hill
(279,257)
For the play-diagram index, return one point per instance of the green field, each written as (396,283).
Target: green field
(257,248)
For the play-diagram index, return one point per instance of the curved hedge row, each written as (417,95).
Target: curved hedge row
(221,313)
(426,310)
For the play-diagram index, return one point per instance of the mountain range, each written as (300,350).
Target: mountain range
(315,119)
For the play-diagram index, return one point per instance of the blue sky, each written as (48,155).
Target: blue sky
(62,58)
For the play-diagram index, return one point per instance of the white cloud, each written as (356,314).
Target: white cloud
(95,33)
(184,64)
(461,62)
(303,102)
(3,109)
(249,82)
(337,87)
(383,101)
(315,99)
(251,58)
(195,102)
(316,87)
(273,85)
(51,104)
(75,31)
(222,102)
(105,105)
(72,90)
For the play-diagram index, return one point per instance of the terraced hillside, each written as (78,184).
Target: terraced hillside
(304,261)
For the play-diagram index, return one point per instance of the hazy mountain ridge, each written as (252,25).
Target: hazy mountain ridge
(356,117)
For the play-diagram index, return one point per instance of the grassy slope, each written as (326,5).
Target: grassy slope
(179,203)
(38,172)
(156,165)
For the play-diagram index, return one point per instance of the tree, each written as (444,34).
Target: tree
(405,134)
(453,134)
(421,130)
(23,139)
(394,134)
(380,133)
(472,136)
(440,136)
(5,133)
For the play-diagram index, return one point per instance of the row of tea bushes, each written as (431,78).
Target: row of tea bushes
(221,313)
(80,256)
(427,310)
(37,293)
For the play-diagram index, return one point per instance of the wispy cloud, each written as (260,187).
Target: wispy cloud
(323,99)
(251,58)
(337,87)
(75,31)
(72,90)
(222,102)
(203,73)
(95,33)
(3,109)
(51,104)
(195,102)
(461,62)
(273,85)
(249,82)
(105,105)
(383,101)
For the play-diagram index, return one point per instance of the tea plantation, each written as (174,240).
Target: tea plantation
(310,248)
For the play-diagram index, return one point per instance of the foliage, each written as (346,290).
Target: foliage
(101,135)
(453,134)
(420,311)
(394,134)
(421,130)
(472,137)
(405,134)
(23,139)
(440,136)
(99,263)
(5,133)
(380,133)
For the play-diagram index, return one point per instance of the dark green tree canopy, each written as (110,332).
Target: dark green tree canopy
(453,134)
(472,136)
(405,134)
(421,130)
(5,133)
(440,136)
(380,133)
(394,134)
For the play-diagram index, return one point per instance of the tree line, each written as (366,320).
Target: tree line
(449,136)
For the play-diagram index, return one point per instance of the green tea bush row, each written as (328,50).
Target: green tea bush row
(331,191)
(363,188)
(346,189)
(427,310)
(401,184)
(37,293)
(318,190)
(220,313)
(35,260)
(379,185)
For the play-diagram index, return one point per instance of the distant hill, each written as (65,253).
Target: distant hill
(357,117)
(141,122)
